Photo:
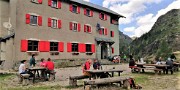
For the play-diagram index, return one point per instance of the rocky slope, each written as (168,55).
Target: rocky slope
(162,39)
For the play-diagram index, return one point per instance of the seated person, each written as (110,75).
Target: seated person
(50,67)
(132,63)
(87,66)
(159,61)
(22,67)
(42,63)
(96,65)
(170,63)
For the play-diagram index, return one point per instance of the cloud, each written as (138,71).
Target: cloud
(128,8)
(146,22)
(129,29)
(87,0)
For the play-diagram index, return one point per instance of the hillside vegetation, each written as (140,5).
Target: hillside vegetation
(162,39)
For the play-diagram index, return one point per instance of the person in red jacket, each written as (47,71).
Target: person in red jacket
(50,68)
(87,66)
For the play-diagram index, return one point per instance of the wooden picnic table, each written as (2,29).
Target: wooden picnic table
(36,70)
(98,73)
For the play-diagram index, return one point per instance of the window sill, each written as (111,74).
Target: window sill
(36,2)
(33,24)
(54,52)
(32,51)
(75,53)
(89,53)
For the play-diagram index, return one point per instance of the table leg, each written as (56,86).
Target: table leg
(119,73)
(112,74)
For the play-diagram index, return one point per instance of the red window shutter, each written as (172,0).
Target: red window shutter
(40,1)
(100,32)
(27,18)
(49,22)
(85,28)
(93,48)
(105,17)
(70,25)
(42,46)
(59,4)
(84,11)
(106,31)
(59,23)
(112,33)
(49,2)
(70,7)
(78,9)
(24,45)
(81,47)
(79,27)
(90,29)
(91,13)
(112,50)
(61,47)
(100,16)
(47,46)
(69,47)
(40,20)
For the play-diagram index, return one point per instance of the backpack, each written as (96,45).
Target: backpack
(133,85)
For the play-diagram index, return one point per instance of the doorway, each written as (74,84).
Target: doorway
(104,51)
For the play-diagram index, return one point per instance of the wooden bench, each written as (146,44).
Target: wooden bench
(52,75)
(107,81)
(154,69)
(73,79)
(23,78)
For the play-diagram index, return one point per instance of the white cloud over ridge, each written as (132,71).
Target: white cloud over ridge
(86,0)
(131,9)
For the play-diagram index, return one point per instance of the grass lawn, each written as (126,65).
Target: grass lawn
(148,81)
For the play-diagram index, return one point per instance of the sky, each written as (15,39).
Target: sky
(140,14)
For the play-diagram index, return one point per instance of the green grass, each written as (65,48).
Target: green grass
(57,87)
(5,76)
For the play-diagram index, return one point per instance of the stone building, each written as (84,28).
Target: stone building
(59,29)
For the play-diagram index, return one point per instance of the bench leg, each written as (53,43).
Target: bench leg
(25,81)
(72,82)
(87,87)
(126,84)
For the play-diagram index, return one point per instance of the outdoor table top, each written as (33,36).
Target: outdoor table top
(37,68)
(101,71)
(160,65)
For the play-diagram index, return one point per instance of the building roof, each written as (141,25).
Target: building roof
(96,7)
(6,37)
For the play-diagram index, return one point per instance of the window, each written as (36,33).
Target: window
(88,12)
(37,1)
(87,28)
(102,16)
(74,8)
(103,31)
(54,3)
(32,45)
(53,46)
(75,26)
(33,19)
(54,23)
(88,48)
(74,47)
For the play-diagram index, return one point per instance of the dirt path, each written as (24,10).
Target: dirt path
(63,74)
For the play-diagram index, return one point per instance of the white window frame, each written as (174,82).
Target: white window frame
(33,39)
(87,28)
(35,1)
(73,8)
(73,27)
(103,32)
(53,3)
(52,23)
(34,14)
